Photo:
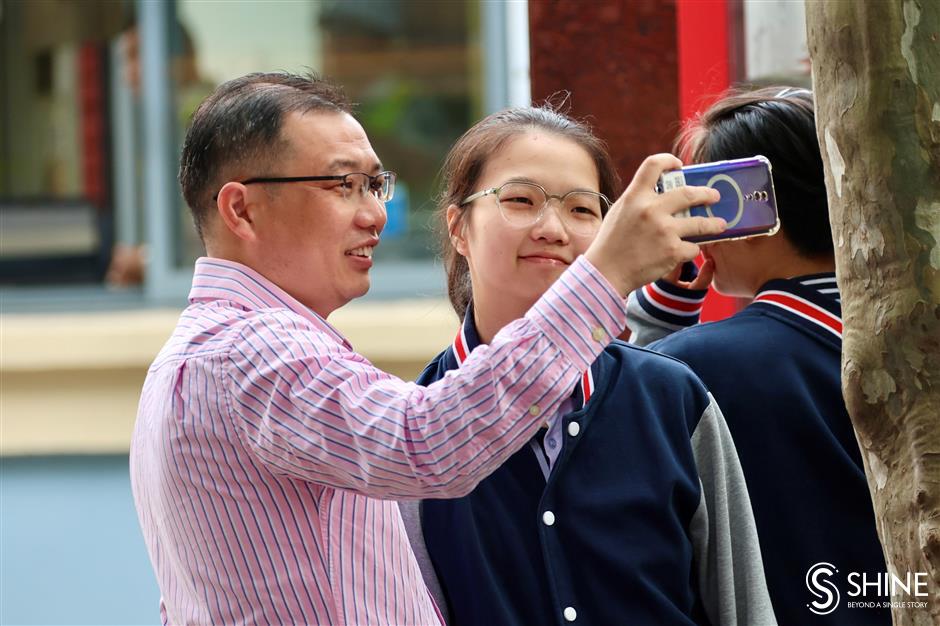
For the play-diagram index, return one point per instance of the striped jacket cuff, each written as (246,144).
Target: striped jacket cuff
(671,304)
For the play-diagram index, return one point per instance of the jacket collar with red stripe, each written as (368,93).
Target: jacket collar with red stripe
(468,339)
(802,305)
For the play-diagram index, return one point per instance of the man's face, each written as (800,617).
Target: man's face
(314,239)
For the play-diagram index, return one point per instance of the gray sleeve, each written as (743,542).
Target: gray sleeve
(644,328)
(724,536)
(411,516)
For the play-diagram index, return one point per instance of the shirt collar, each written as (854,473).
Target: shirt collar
(803,302)
(468,339)
(229,281)
(824,283)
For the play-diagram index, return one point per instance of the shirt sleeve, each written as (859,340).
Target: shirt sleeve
(724,536)
(311,408)
(661,308)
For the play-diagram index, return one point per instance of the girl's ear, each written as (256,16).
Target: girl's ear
(456,228)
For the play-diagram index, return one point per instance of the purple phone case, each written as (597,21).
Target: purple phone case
(747,200)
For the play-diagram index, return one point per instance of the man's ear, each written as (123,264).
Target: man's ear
(456,228)
(235,210)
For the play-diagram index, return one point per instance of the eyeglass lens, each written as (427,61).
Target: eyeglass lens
(522,204)
(380,186)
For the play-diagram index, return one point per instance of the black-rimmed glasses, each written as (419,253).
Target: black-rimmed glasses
(522,204)
(358,184)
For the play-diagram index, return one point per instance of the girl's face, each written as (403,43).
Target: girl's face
(511,266)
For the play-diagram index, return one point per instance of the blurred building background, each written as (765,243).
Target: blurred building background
(96,245)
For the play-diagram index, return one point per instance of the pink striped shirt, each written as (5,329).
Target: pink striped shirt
(267,452)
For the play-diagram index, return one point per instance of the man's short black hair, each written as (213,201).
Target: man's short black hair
(236,131)
(779,123)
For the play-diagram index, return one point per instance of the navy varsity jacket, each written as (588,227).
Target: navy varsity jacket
(775,370)
(643,518)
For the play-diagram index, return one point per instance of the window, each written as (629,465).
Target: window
(55,197)
(95,108)
(776,50)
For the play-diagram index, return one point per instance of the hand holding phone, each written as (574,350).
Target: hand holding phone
(640,238)
(747,204)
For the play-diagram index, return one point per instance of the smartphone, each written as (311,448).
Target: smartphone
(747,200)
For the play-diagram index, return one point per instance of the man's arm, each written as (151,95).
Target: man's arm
(314,410)
(724,535)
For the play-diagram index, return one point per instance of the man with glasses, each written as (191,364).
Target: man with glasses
(266,451)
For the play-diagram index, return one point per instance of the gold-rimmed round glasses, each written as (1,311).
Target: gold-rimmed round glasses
(522,204)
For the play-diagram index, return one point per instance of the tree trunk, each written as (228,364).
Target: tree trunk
(876,69)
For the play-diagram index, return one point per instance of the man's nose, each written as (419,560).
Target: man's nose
(371,213)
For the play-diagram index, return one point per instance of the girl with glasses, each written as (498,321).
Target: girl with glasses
(629,506)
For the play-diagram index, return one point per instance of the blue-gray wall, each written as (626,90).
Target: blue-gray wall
(71,551)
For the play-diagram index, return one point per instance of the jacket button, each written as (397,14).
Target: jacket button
(570,614)
(548,518)
(598,334)
(574,428)
(534,410)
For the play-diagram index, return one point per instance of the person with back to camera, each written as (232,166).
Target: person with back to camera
(628,506)
(775,366)
(267,453)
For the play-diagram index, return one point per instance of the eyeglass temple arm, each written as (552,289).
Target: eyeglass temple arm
(478,194)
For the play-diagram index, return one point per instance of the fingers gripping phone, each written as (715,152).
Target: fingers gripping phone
(747,202)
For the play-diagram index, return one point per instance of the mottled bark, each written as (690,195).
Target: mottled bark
(876,67)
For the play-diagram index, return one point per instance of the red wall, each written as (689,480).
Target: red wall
(705,55)
(619,61)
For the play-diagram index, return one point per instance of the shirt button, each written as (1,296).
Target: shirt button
(574,428)
(570,614)
(534,410)
(549,518)
(552,443)
(598,333)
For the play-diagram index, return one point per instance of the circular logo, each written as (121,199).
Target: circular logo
(725,178)
(823,589)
